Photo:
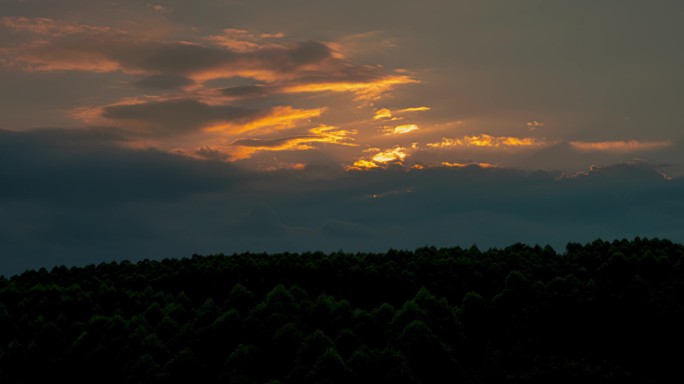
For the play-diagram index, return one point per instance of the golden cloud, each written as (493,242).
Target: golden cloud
(397,154)
(385,113)
(488,141)
(361,164)
(278,118)
(382,113)
(414,109)
(394,155)
(245,148)
(364,90)
(402,129)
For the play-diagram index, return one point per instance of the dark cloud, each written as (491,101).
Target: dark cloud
(279,142)
(179,59)
(301,54)
(173,58)
(249,91)
(178,116)
(211,153)
(90,167)
(71,197)
(164,82)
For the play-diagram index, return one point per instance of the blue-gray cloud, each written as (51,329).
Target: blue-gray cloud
(71,197)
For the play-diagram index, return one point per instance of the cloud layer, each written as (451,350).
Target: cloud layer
(78,196)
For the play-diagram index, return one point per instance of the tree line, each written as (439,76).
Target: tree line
(609,312)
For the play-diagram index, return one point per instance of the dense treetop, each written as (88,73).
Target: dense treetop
(603,311)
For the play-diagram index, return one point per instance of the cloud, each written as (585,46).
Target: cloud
(534,124)
(462,165)
(159,118)
(91,165)
(385,113)
(78,196)
(633,172)
(178,116)
(164,82)
(45,26)
(413,109)
(402,129)
(185,83)
(276,118)
(299,67)
(393,156)
(248,91)
(362,164)
(244,148)
(397,154)
(210,153)
(365,89)
(382,113)
(620,145)
(242,40)
(488,141)
(208,127)
(160,8)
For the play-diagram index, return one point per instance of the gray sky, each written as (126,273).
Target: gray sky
(130,128)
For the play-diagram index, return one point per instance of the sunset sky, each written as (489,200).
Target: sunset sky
(132,129)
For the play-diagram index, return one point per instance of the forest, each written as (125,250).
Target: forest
(605,311)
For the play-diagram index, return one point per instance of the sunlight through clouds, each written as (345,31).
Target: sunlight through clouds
(488,141)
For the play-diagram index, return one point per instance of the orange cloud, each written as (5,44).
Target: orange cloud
(277,35)
(283,68)
(245,148)
(38,56)
(488,141)
(240,40)
(620,145)
(278,118)
(49,27)
(364,90)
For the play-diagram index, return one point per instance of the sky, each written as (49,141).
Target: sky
(133,129)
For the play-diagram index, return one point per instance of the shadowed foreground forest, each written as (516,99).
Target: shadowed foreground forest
(608,312)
